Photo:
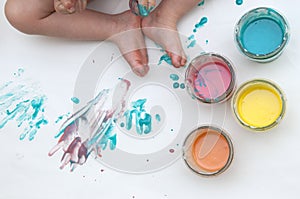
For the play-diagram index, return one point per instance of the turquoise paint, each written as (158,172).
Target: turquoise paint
(262,36)
(175,85)
(174,77)
(59,118)
(165,58)
(138,116)
(201,23)
(75,100)
(239,2)
(143,10)
(201,3)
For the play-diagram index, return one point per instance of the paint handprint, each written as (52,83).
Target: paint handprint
(91,128)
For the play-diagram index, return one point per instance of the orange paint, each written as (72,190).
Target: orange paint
(211,150)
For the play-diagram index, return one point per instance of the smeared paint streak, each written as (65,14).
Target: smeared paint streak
(165,58)
(143,120)
(91,128)
(22,102)
(140,9)
(75,100)
(239,2)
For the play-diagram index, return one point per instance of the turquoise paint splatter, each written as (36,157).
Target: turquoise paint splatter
(192,44)
(21,101)
(165,58)
(191,39)
(143,10)
(206,42)
(239,2)
(139,117)
(201,23)
(174,77)
(75,100)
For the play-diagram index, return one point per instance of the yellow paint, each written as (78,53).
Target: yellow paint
(259,104)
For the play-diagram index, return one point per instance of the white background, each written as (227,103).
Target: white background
(266,165)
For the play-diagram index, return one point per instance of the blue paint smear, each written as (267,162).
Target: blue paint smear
(191,39)
(262,36)
(143,10)
(239,2)
(165,58)
(59,118)
(143,120)
(174,77)
(75,100)
(192,44)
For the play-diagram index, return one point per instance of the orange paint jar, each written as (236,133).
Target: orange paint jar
(208,151)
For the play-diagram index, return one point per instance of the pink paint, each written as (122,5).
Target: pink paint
(210,78)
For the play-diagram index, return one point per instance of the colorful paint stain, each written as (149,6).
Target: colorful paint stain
(61,117)
(75,100)
(239,2)
(91,129)
(138,116)
(259,104)
(21,101)
(174,77)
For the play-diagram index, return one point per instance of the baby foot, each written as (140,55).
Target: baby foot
(69,6)
(128,36)
(164,32)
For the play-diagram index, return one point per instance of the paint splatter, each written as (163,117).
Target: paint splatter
(176,84)
(239,2)
(91,128)
(138,116)
(23,102)
(75,100)
(192,39)
(166,58)
(171,150)
(157,117)
(182,86)
(140,9)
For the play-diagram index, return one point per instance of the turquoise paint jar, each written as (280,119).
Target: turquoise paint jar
(262,34)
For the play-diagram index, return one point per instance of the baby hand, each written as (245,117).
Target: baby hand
(69,6)
(142,7)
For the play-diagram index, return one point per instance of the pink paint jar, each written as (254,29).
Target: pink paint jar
(210,78)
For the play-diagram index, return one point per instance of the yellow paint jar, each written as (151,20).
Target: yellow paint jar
(259,104)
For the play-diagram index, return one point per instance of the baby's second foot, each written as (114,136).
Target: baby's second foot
(164,32)
(128,35)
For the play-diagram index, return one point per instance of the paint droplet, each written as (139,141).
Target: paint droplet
(206,42)
(175,85)
(174,77)
(101,170)
(171,150)
(165,58)
(122,124)
(239,2)
(75,100)
(182,86)
(157,117)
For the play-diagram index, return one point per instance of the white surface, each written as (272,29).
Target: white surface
(265,165)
